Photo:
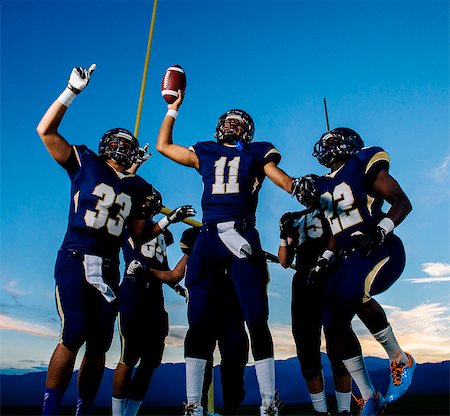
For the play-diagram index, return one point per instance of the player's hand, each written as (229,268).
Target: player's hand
(79,78)
(177,103)
(295,187)
(373,240)
(135,267)
(181,291)
(181,213)
(188,238)
(322,268)
(143,155)
(286,224)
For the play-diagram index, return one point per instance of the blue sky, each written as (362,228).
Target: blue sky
(382,65)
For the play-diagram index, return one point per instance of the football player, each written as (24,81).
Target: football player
(104,199)
(303,236)
(233,169)
(372,257)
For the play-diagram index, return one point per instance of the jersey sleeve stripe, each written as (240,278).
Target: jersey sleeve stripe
(376,158)
(272,151)
(77,155)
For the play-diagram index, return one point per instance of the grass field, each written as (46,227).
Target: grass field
(432,405)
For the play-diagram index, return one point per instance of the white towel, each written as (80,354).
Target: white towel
(94,276)
(237,244)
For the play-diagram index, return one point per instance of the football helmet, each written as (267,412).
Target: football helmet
(337,144)
(119,145)
(306,192)
(235,126)
(152,204)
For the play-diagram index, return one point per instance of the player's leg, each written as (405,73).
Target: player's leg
(69,295)
(234,347)
(152,347)
(102,315)
(250,278)
(306,311)
(402,364)
(202,266)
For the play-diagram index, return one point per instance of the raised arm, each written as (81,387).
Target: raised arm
(165,145)
(57,145)
(278,176)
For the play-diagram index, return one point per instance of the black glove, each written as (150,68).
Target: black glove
(181,291)
(188,239)
(135,268)
(286,224)
(321,269)
(372,240)
(181,213)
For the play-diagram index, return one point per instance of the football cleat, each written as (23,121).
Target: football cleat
(192,409)
(273,407)
(401,378)
(373,406)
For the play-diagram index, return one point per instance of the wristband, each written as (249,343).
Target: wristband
(328,254)
(163,223)
(283,242)
(386,224)
(172,113)
(66,97)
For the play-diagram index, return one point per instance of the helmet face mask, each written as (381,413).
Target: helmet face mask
(119,145)
(337,145)
(235,126)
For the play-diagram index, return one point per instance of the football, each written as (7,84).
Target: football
(174,79)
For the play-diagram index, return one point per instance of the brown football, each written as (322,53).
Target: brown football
(174,79)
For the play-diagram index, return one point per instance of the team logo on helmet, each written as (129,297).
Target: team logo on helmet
(235,126)
(119,145)
(337,144)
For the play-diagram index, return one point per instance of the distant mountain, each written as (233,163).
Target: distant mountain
(168,384)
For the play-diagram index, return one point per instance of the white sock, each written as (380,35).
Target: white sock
(195,373)
(343,400)
(265,373)
(132,407)
(357,369)
(118,406)
(319,401)
(388,341)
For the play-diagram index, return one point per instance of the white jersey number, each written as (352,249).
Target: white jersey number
(100,217)
(219,185)
(339,208)
(155,248)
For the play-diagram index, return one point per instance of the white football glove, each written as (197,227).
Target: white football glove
(143,155)
(79,78)
(177,215)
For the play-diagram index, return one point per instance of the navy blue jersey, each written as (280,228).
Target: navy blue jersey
(311,239)
(232,178)
(347,197)
(102,201)
(152,255)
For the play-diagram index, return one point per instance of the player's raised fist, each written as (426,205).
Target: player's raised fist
(173,81)
(79,78)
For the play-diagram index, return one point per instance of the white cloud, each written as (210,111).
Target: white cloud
(436,269)
(439,272)
(428,279)
(424,331)
(8,323)
(441,174)
(11,287)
